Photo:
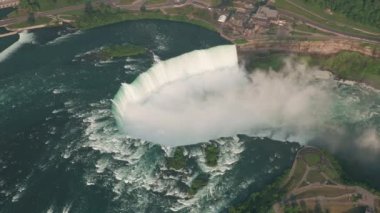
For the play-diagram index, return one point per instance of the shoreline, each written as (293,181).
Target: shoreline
(327,48)
(318,47)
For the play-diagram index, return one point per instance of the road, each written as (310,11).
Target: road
(136,6)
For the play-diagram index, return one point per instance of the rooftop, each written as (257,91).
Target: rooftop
(266,13)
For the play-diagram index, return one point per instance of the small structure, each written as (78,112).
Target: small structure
(179,1)
(265,16)
(222,18)
(8,3)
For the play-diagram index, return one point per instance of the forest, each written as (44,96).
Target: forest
(363,11)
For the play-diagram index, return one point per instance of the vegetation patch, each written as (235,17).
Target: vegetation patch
(274,61)
(312,159)
(156,1)
(240,41)
(335,20)
(199,182)
(330,172)
(95,16)
(178,161)
(352,66)
(344,177)
(315,176)
(32,21)
(42,5)
(357,10)
(119,51)
(261,202)
(299,170)
(212,154)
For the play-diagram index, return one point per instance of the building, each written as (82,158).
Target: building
(8,3)
(222,18)
(179,1)
(264,16)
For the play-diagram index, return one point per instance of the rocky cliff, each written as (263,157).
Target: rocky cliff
(312,47)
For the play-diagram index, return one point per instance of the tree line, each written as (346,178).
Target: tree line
(363,11)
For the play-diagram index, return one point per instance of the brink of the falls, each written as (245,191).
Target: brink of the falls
(164,73)
(175,69)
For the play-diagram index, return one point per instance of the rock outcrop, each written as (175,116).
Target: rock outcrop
(312,47)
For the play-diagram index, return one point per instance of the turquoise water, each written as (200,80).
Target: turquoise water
(60,149)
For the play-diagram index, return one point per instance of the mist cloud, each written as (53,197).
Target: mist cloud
(289,105)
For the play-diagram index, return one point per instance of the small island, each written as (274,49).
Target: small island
(120,51)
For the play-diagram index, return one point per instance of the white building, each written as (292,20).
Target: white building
(222,18)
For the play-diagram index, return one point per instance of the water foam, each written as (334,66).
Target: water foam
(24,38)
(175,69)
(204,95)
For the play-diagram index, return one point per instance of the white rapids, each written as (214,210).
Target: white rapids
(24,38)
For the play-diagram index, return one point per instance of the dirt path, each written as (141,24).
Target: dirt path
(337,194)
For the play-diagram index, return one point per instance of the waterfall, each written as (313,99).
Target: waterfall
(24,38)
(204,95)
(163,73)
(174,69)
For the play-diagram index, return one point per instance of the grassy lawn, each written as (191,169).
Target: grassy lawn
(337,21)
(189,11)
(43,5)
(314,176)
(330,172)
(297,175)
(105,15)
(312,159)
(38,21)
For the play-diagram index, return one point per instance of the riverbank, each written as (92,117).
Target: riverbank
(314,177)
(346,59)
